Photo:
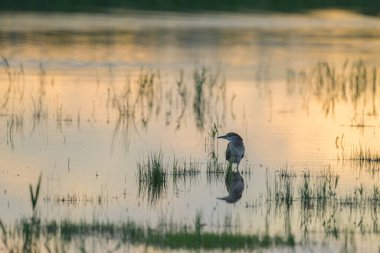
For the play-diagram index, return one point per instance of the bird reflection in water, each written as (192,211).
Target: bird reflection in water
(234,154)
(235,186)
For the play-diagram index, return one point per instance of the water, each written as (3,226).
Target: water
(66,112)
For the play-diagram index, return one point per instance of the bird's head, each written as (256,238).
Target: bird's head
(231,137)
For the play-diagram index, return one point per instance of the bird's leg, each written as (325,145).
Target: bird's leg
(228,180)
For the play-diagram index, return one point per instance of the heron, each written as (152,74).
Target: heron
(235,148)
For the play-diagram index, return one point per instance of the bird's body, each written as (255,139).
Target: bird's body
(235,149)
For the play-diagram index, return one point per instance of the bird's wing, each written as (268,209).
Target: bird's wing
(228,151)
(236,150)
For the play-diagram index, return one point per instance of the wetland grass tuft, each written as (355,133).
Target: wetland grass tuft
(215,170)
(183,171)
(318,190)
(355,83)
(128,233)
(153,174)
(314,190)
(283,187)
(209,91)
(365,155)
(152,177)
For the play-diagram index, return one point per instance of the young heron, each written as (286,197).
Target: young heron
(235,148)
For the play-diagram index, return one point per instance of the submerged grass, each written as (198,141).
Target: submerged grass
(130,233)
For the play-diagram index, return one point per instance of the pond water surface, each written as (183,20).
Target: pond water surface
(87,98)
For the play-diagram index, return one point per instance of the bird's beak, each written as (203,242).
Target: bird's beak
(222,137)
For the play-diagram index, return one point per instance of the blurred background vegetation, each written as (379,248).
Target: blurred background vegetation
(363,6)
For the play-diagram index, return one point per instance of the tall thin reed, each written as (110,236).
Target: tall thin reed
(35,194)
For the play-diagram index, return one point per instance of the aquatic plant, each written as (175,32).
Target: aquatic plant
(138,100)
(15,127)
(183,93)
(355,83)
(40,109)
(129,233)
(364,155)
(152,176)
(283,187)
(35,194)
(208,92)
(211,145)
(214,169)
(183,171)
(319,191)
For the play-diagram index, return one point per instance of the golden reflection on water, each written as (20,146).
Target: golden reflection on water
(76,107)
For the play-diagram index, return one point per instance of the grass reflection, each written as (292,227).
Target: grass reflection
(61,236)
(365,155)
(316,198)
(198,96)
(35,235)
(152,177)
(141,98)
(355,83)
(154,173)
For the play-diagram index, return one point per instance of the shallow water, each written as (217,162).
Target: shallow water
(68,72)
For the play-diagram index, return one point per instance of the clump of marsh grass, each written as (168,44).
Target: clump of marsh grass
(316,189)
(354,82)
(199,102)
(140,101)
(365,155)
(320,191)
(184,170)
(362,197)
(211,145)
(152,176)
(30,228)
(215,170)
(15,89)
(208,92)
(136,101)
(12,101)
(284,187)
(127,233)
